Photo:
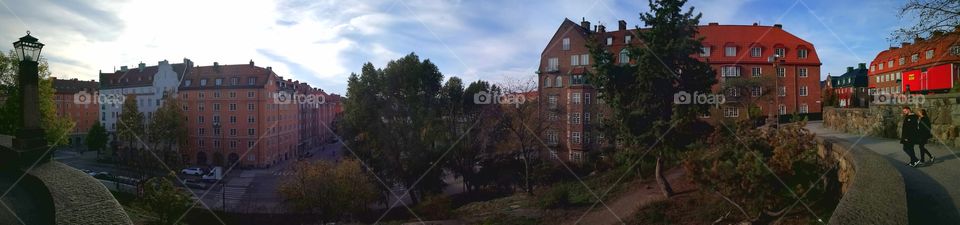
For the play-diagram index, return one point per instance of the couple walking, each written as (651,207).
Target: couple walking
(916,131)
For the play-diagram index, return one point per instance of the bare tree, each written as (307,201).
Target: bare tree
(524,123)
(931,16)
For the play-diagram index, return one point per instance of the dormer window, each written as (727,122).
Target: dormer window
(186,83)
(730,51)
(705,51)
(251,80)
(609,41)
(929,54)
(218,81)
(627,39)
(203,82)
(755,52)
(780,51)
(802,53)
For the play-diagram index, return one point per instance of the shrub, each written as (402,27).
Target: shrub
(435,207)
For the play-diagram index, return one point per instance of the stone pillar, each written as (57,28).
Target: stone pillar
(30,145)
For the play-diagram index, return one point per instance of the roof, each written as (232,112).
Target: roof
(138,76)
(854,77)
(940,43)
(242,72)
(73,86)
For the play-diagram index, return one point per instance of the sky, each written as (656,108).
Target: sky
(322,42)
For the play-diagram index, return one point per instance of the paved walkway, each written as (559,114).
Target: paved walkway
(933,191)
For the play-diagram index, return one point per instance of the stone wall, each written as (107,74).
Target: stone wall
(873,190)
(884,120)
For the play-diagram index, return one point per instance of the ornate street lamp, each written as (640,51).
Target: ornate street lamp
(30,145)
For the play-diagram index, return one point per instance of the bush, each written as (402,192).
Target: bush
(435,207)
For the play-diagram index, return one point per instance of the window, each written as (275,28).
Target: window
(566,43)
(559,81)
(731,71)
(200,106)
(755,52)
(873,67)
(705,51)
(624,56)
(803,91)
(234,81)
(216,106)
(200,142)
(881,66)
(575,136)
(553,64)
(586,118)
(218,81)
(233,106)
(756,91)
(731,112)
(233,94)
(251,106)
(575,118)
(781,72)
(782,91)
(251,119)
(201,95)
(200,119)
(780,52)
(782,109)
(756,71)
(609,40)
(552,101)
(250,145)
(730,51)
(576,98)
(233,144)
(546,82)
(586,98)
(913,58)
(553,155)
(251,131)
(201,131)
(233,132)
(733,92)
(890,64)
(802,72)
(574,60)
(804,108)
(552,137)
(902,61)
(955,50)
(627,39)
(802,53)
(233,119)
(929,54)
(186,83)
(585,59)
(251,80)
(203,82)
(577,79)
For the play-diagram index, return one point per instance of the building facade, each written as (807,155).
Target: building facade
(851,87)
(924,66)
(147,84)
(732,50)
(74,99)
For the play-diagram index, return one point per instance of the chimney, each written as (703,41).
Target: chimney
(251,63)
(216,66)
(756,24)
(595,28)
(862,66)
(270,68)
(713,24)
(904,44)
(780,26)
(917,40)
(187,62)
(849,69)
(584,23)
(601,28)
(622,25)
(141,66)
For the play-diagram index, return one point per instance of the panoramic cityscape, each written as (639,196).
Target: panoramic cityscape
(489,112)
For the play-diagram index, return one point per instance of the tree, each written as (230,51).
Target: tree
(329,191)
(393,118)
(97,138)
(57,128)
(166,201)
(744,97)
(931,17)
(523,123)
(130,130)
(168,131)
(640,95)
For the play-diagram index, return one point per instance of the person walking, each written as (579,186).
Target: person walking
(923,135)
(908,135)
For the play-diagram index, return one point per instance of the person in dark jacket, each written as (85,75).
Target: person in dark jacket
(924,134)
(908,135)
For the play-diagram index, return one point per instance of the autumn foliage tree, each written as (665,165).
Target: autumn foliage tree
(329,191)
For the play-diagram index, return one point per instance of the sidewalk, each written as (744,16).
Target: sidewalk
(933,191)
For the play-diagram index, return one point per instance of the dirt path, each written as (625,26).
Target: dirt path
(626,205)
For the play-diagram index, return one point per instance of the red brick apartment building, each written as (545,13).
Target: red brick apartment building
(82,111)
(924,66)
(732,50)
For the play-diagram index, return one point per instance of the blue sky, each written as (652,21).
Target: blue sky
(322,42)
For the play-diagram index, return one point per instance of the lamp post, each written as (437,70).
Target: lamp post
(775,59)
(29,145)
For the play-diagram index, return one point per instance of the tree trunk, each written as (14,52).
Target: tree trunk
(526,175)
(662,180)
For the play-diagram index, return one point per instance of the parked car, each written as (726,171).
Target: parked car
(102,175)
(215,174)
(196,171)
